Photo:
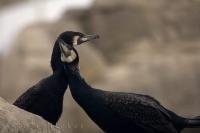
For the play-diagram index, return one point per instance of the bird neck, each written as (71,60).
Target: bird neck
(79,88)
(56,63)
(58,82)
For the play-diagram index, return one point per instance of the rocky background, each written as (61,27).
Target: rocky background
(145,47)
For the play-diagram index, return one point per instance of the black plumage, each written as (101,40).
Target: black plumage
(46,97)
(117,112)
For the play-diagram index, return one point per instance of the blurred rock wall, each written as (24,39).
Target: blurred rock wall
(124,23)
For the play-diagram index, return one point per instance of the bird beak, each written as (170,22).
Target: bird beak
(87,38)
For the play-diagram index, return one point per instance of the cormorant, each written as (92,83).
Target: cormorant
(46,97)
(117,112)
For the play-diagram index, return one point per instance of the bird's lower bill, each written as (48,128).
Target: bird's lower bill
(67,55)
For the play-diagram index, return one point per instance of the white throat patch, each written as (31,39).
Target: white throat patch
(75,40)
(67,55)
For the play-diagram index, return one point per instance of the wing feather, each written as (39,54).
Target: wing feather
(140,110)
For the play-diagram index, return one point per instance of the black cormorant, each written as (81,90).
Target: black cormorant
(46,97)
(118,112)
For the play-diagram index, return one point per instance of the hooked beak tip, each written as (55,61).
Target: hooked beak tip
(96,36)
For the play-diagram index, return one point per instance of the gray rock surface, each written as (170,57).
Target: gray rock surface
(15,120)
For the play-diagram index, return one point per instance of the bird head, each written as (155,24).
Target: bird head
(66,43)
(76,38)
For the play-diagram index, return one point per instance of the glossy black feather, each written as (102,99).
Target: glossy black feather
(118,112)
(46,97)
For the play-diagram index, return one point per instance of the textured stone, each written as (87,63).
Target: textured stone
(15,120)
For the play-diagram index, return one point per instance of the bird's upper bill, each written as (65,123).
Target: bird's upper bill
(86,38)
